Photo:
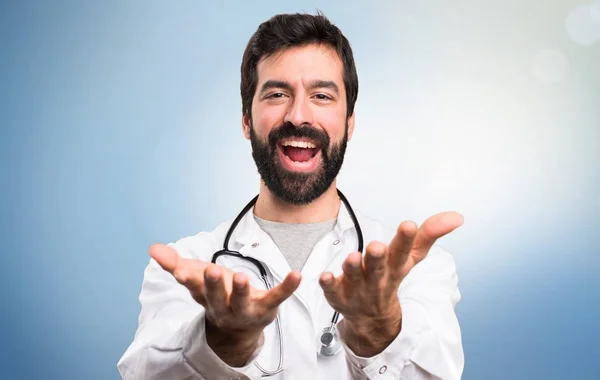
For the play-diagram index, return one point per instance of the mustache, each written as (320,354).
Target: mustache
(288,130)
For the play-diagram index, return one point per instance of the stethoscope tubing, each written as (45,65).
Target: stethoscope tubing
(263,272)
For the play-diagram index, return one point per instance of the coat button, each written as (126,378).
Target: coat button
(336,242)
(382,370)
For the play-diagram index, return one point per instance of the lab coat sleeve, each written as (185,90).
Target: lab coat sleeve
(170,342)
(429,345)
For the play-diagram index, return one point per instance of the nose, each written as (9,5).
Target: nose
(299,112)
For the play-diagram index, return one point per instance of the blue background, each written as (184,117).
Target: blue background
(120,127)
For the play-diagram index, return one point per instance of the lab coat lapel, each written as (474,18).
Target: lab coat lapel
(327,255)
(252,241)
(328,252)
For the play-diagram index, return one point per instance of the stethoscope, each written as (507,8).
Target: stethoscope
(328,341)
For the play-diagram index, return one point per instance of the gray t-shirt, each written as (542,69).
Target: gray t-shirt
(296,241)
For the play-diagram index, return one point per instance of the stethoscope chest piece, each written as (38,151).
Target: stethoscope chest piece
(328,342)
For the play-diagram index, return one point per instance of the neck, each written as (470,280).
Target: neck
(269,207)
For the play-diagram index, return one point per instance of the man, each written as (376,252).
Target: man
(204,320)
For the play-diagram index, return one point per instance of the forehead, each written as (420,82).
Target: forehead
(301,64)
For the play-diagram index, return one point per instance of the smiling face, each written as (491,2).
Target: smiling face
(299,127)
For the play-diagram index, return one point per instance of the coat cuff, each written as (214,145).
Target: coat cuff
(388,364)
(198,354)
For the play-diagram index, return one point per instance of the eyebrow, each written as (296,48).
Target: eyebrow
(325,84)
(270,84)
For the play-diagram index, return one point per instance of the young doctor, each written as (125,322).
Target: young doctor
(286,290)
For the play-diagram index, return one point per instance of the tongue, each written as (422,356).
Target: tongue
(299,154)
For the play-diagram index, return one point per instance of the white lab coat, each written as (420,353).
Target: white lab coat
(170,342)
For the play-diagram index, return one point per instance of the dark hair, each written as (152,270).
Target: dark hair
(287,30)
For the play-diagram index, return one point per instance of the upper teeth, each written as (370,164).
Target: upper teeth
(299,144)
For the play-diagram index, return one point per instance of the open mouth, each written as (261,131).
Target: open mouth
(299,154)
(299,151)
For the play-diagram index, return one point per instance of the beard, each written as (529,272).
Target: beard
(297,188)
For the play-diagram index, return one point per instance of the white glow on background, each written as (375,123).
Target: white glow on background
(595,11)
(477,152)
(583,24)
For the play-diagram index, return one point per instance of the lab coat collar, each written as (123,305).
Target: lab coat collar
(248,230)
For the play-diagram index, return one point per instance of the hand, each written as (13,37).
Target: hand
(236,313)
(366,293)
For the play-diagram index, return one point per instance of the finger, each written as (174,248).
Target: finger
(375,263)
(214,289)
(330,286)
(434,228)
(240,293)
(352,267)
(165,256)
(169,260)
(185,271)
(401,244)
(275,296)
(190,273)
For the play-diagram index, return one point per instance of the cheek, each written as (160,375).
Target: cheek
(264,120)
(263,127)
(335,125)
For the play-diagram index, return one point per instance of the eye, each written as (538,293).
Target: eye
(275,95)
(323,97)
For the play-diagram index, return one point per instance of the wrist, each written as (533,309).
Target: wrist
(369,338)
(234,348)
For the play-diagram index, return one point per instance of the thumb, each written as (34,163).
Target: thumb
(434,228)
(283,291)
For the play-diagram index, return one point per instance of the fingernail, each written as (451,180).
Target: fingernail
(377,251)
(211,276)
(239,286)
(211,279)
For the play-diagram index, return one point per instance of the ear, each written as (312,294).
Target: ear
(350,126)
(246,125)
